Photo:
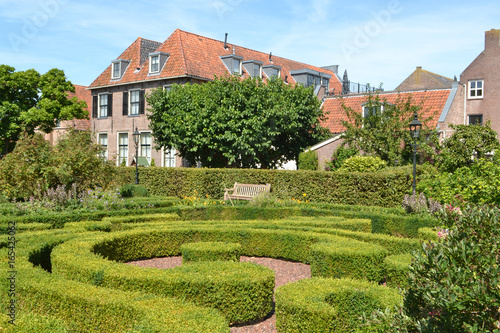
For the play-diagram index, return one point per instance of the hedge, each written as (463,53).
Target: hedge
(397,268)
(329,305)
(210,251)
(383,188)
(241,291)
(85,308)
(348,258)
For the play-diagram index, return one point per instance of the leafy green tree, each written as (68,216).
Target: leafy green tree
(30,101)
(467,141)
(234,122)
(308,160)
(383,130)
(35,166)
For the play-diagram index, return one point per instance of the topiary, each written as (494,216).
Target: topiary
(362,164)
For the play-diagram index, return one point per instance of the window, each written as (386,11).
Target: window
(233,63)
(476,88)
(253,67)
(167,87)
(154,64)
(103,105)
(146,145)
(116,71)
(476,119)
(271,70)
(169,158)
(103,141)
(373,111)
(134,102)
(123,148)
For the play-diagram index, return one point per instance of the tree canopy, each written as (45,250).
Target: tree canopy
(466,142)
(30,101)
(234,122)
(382,130)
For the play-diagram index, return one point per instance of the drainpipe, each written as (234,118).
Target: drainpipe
(465,103)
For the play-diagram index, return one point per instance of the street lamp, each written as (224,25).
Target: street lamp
(136,135)
(415,127)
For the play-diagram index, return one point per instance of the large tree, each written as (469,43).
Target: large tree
(234,122)
(382,129)
(30,101)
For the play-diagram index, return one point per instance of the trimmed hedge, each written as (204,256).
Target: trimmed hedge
(397,268)
(384,188)
(348,258)
(241,291)
(210,251)
(85,308)
(329,305)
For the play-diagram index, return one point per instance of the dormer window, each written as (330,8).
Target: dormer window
(118,67)
(271,70)
(373,110)
(157,61)
(309,77)
(233,63)
(253,68)
(155,64)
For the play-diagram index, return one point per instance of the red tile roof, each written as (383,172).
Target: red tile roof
(433,102)
(197,56)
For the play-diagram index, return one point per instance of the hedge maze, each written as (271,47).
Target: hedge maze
(73,279)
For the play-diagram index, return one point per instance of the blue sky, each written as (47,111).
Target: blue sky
(376,41)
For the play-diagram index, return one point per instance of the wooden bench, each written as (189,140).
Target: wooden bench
(245,191)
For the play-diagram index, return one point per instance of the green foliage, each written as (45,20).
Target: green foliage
(384,132)
(308,160)
(231,122)
(153,163)
(385,188)
(339,156)
(329,305)
(454,282)
(419,204)
(362,164)
(35,167)
(32,101)
(210,251)
(477,184)
(397,267)
(466,142)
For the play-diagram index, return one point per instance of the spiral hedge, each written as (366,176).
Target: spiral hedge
(75,278)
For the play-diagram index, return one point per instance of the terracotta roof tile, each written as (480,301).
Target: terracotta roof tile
(433,102)
(83,94)
(198,56)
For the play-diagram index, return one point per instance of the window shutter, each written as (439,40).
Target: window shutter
(94,106)
(141,102)
(110,105)
(125,103)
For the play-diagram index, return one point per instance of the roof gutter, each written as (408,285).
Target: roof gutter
(149,80)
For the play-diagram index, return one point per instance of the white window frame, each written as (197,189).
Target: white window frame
(120,155)
(145,147)
(473,91)
(382,107)
(114,66)
(105,146)
(136,104)
(151,57)
(169,158)
(102,108)
(167,87)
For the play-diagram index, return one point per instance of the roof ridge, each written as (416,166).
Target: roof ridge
(253,50)
(183,53)
(444,77)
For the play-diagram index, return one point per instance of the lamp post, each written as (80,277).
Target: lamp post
(415,127)
(136,135)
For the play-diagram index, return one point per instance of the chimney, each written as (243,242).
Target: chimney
(225,41)
(491,39)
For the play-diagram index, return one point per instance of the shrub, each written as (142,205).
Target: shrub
(454,282)
(308,160)
(362,164)
(339,156)
(419,204)
(210,251)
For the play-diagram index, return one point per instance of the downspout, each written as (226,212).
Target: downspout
(465,103)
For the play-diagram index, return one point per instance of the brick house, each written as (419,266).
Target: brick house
(83,94)
(445,106)
(118,94)
(482,79)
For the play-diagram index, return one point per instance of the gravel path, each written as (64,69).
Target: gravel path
(285,272)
